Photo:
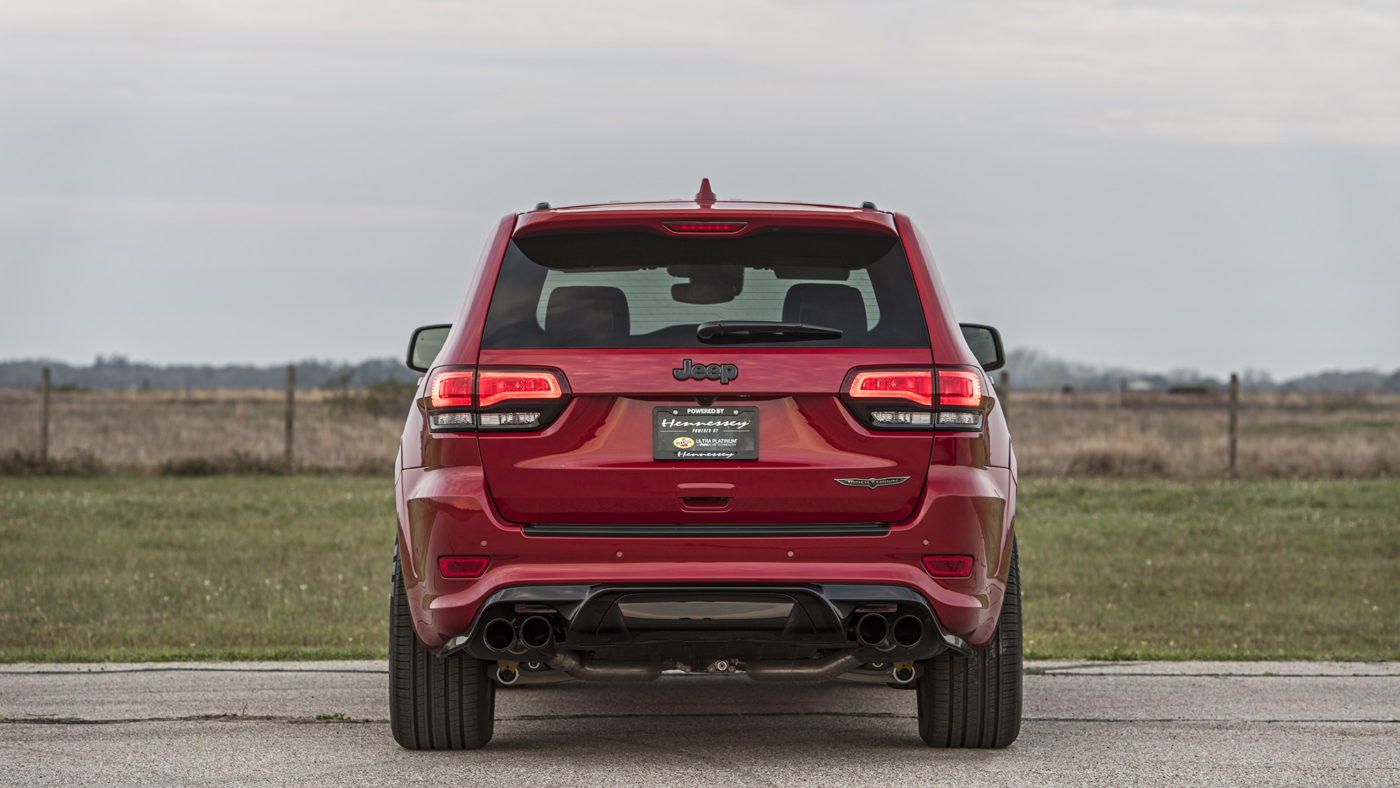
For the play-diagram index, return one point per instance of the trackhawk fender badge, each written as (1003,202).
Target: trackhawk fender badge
(691,371)
(887,481)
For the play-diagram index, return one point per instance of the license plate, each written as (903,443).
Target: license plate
(704,433)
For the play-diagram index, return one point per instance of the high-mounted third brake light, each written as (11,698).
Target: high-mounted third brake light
(705,227)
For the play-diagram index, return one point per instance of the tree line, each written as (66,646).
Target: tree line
(1027,369)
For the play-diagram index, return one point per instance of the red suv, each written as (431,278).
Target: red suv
(710,437)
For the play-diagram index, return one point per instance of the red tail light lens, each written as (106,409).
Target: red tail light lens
(461,399)
(451,388)
(914,385)
(959,388)
(948,565)
(705,227)
(463,566)
(908,399)
(497,386)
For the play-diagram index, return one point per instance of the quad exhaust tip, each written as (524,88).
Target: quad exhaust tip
(907,631)
(498,635)
(873,630)
(536,632)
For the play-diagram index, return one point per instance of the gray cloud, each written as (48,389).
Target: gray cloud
(1153,184)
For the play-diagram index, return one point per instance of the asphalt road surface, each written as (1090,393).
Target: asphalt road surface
(325,723)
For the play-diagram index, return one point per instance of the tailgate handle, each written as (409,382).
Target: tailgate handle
(704,490)
(702,495)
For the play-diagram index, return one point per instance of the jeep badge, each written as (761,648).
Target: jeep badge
(721,372)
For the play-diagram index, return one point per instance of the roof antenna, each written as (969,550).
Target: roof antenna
(705,196)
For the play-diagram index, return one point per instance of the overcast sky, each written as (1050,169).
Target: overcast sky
(1152,184)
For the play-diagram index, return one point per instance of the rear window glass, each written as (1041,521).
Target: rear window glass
(643,290)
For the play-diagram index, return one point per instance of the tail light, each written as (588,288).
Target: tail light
(959,399)
(914,385)
(939,398)
(465,399)
(497,386)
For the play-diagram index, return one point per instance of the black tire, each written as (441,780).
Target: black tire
(446,703)
(975,700)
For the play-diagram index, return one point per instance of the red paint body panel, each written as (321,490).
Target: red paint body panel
(469,493)
(464,341)
(650,217)
(450,513)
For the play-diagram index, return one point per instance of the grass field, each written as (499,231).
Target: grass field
(1211,570)
(243,567)
(256,567)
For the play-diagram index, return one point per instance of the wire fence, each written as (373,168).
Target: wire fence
(1132,434)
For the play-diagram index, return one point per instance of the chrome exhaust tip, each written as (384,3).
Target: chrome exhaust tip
(903,673)
(507,676)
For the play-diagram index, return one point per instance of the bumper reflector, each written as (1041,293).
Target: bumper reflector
(948,565)
(463,566)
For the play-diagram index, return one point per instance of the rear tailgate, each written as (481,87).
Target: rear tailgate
(598,463)
(667,424)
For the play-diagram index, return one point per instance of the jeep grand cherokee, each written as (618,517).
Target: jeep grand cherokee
(710,437)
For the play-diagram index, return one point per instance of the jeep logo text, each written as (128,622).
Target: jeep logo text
(721,372)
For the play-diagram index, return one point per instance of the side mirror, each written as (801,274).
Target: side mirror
(985,343)
(425,344)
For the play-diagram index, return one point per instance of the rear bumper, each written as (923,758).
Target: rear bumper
(446,511)
(698,625)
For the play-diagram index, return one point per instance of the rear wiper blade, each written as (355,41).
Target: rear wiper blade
(719,332)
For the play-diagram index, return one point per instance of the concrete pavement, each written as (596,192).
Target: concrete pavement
(1086,723)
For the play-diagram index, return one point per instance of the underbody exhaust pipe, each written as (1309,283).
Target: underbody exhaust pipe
(804,669)
(873,630)
(498,635)
(536,632)
(533,677)
(907,631)
(903,673)
(569,662)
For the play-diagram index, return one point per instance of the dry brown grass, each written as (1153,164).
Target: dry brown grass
(145,430)
(1185,436)
(1083,434)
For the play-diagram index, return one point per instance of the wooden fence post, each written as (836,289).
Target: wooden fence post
(291,410)
(1234,418)
(44,417)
